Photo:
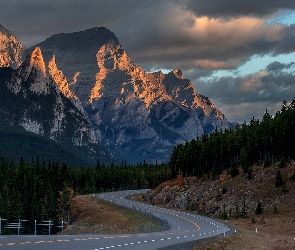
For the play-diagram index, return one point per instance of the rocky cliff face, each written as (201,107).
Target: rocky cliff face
(136,115)
(31,98)
(10,49)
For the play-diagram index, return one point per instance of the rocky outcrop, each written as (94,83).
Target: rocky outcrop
(11,49)
(237,196)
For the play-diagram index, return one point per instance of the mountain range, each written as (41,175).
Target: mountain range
(83,91)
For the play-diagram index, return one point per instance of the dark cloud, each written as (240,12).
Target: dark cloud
(234,8)
(278,66)
(243,112)
(262,86)
(287,44)
(195,73)
(242,97)
(165,33)
(198,36)
(32,20)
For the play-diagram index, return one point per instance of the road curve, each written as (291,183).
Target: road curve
(183,227)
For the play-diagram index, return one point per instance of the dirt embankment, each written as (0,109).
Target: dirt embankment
(236,199)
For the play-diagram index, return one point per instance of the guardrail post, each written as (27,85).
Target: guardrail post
(18,227)
(49,227)
(73,231)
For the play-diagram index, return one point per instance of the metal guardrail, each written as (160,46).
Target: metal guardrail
(48,226)
(25,225)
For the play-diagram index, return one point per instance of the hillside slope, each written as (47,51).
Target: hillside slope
(236,199)
(214,196)
(15,142)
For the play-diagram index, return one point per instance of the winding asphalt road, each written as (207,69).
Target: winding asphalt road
(183,227)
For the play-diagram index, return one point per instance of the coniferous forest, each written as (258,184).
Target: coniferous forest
(42,191)
(260,142)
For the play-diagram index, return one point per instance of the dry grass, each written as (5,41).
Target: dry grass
(273,233)
(94,214)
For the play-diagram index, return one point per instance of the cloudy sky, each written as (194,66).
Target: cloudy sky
(240,53)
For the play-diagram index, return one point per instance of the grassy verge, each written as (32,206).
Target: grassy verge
(95,215)
(272,234)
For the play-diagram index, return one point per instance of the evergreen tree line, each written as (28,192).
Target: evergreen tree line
(260,142)
(34,191)
(118,177)
(44,191)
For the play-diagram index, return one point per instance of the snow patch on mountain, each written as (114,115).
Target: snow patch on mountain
(32,126)
(15,86)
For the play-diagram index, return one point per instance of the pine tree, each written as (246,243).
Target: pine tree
(250,173)
(282,163)
(244,160)
(244,212)
(223,214)
(230,212)
(66,203)
(275,210)
(267,162)
(279,179)
(237,212)
(234,169)
(259,208)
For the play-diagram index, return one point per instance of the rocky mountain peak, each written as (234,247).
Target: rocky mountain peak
(87,41)
(33,71)
(10,49)
(5,31)
(36,60)
(136,115)
(178,73)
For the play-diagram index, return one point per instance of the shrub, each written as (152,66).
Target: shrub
(279,179)
(259,208)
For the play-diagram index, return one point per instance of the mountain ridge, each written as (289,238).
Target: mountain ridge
(136,115)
